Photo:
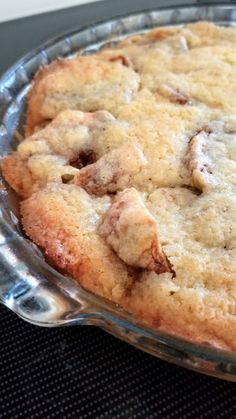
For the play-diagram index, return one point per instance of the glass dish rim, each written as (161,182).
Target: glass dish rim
(105,307)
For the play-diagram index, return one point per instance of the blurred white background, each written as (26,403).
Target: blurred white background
(12,9)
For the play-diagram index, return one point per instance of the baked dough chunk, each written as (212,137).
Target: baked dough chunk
(132,232)
(112,172)
(83,83)
(64,220)
(211,157)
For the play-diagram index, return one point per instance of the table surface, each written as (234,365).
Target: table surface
(82,372)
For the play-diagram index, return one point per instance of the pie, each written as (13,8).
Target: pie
(127,176)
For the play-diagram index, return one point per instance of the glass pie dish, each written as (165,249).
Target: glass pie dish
(29,286)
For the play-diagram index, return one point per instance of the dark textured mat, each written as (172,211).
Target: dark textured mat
(82,372)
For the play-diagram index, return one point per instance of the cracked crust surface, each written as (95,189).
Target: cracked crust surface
(128,175)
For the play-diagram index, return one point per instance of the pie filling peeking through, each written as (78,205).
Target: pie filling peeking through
(127,176)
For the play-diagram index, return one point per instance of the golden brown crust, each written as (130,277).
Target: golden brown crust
(63,221)
(17,175)
(162,305)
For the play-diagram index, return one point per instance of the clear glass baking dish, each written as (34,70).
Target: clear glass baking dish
(28,285)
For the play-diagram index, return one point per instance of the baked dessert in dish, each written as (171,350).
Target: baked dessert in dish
(127,176)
